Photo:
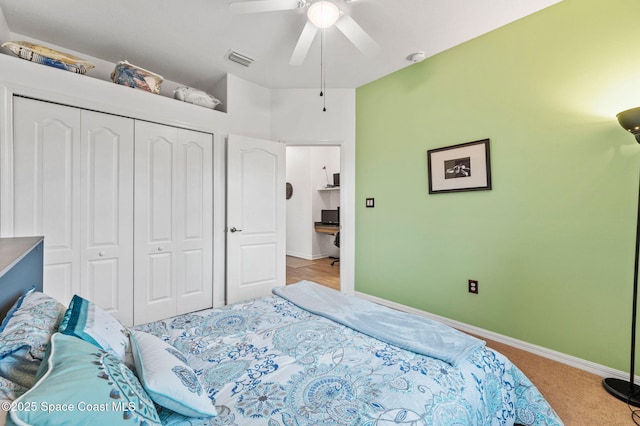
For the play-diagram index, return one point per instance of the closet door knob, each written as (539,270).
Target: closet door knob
(159,248)
(101,253)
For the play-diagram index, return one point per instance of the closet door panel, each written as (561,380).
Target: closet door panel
(155,222)
(107,213)
(56,191)
(58,280)
(160,277)
(160,171)
(101,278)
(47,187)
(195,157)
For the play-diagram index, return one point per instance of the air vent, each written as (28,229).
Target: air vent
(239,58)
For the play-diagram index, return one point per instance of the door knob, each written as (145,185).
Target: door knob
(234,229)
(101,253)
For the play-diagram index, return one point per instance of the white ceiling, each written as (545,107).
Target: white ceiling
(186,41)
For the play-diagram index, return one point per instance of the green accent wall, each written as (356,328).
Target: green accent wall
(552,243)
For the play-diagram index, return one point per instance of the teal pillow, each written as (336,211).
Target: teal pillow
(84,385)
(91,323)
(167,377)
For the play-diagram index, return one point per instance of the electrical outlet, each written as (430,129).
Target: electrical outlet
(473,286)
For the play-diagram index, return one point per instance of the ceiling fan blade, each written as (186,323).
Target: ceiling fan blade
(304,43)
(258,6)
(357,35)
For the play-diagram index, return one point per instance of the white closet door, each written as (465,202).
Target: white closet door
(155,220)
(107,213)
(195,210)
(47,188)
(173,222)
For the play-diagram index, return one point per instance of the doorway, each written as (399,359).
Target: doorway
(313,213)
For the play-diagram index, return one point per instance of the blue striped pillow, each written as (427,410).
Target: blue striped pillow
(91,323)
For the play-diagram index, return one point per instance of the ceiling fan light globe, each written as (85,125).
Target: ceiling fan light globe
(323,14)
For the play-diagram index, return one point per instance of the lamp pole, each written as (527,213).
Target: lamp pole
(624,390)
(628,391)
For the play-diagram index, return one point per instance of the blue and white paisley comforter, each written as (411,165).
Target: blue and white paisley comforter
(269,362)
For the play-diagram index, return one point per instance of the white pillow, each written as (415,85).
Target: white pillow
(196,97)
(167,378)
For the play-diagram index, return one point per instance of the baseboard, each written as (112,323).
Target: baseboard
(582,364)
(306,256)
(300,255)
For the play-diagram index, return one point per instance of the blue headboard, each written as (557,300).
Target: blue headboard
(21,268)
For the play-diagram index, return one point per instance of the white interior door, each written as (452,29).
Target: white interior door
(256,217)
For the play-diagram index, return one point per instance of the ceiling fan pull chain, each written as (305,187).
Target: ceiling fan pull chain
(323,74)
(321,61)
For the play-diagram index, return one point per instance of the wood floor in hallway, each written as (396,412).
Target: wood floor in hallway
(319,271)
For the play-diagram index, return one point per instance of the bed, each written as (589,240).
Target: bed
(305,355)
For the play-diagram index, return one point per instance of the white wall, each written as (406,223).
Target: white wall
(297,119)
(5,34)
(249,108)
(299,206)
(296,115)
(305,173)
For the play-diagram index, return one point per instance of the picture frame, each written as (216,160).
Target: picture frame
(458,168)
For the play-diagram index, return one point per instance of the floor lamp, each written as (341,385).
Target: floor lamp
(625,390)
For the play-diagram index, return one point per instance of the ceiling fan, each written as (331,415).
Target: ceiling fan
(321,14)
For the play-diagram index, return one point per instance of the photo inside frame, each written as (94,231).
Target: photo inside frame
(458,168)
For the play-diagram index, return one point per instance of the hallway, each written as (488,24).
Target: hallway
(319,271)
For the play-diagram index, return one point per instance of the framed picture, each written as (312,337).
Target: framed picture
(463,167)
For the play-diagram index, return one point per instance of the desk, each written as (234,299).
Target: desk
(327,229)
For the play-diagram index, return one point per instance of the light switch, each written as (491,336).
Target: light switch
(369,202)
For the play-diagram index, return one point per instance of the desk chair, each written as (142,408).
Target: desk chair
(336,242)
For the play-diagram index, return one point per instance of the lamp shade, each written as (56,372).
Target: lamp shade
(323,13)
(630,121)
